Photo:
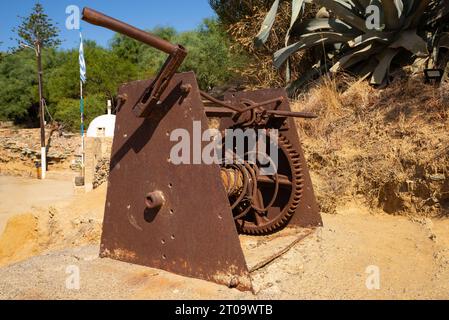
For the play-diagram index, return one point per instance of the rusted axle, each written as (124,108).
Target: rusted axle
(102,20)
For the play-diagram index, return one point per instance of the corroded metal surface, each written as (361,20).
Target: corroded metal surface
(184,218)
(193,232)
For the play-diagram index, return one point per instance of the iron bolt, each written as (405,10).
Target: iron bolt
(186,88)
(122,97)
(154,200)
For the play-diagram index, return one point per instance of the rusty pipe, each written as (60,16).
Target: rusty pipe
(99,19)
(281,113)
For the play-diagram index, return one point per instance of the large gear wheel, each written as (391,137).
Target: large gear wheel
(277,198)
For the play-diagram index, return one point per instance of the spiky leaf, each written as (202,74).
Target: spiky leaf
(383,68)
(308,41)
(267,24)
(412,42)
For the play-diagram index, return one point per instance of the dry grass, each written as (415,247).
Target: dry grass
(387,147)
(261,73)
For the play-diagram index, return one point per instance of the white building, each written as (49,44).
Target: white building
(102,126)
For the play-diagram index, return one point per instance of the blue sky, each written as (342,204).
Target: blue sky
(145,14)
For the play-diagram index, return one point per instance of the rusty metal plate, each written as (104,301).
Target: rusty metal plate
(193,233)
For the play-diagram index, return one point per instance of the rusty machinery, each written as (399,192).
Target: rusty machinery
(186,219)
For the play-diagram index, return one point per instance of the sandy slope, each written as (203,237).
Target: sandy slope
(57,223)
(18,195)
(413,257)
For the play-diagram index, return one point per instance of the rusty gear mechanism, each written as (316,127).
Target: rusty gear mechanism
(184,217)
(263,204)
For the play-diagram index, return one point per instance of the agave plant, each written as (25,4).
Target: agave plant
(435,22)
(360,35)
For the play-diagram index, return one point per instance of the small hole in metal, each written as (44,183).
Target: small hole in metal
(170,185)
(164,257)
(163,241)
(172,211)
(173,237)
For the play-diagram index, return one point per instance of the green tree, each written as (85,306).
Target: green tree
(19,95)
(209,55)
(126,60)
(67,111)
(18,86)
(37,28)
(106,72)
(2,54)
(232,11)
(147,59)
(37,31)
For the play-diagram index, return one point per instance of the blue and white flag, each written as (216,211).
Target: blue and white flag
(82,61)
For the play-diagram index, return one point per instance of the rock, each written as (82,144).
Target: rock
(101,172)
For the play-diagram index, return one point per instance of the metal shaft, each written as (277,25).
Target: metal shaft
(99,19)
(281,113)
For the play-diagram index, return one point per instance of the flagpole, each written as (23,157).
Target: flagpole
(82,127)
(82,80)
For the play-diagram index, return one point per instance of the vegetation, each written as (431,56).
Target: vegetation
(123,61)
(312,37)
(35,32)
(209,54)
(242,19)
(233,11)
(37,28)
(18,86)
(356,36)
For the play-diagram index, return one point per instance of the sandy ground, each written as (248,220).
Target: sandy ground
(412,257)
(18,195)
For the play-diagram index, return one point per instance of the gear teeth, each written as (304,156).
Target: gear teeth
(295,198)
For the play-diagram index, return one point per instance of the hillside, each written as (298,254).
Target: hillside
(373,154)
(387,148)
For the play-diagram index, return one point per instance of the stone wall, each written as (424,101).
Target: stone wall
(21,148)
(97,159)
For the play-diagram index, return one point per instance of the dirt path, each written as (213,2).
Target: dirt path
(412,257)
(18,195)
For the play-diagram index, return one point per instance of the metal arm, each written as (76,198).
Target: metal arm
(154,92)
(102,20)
